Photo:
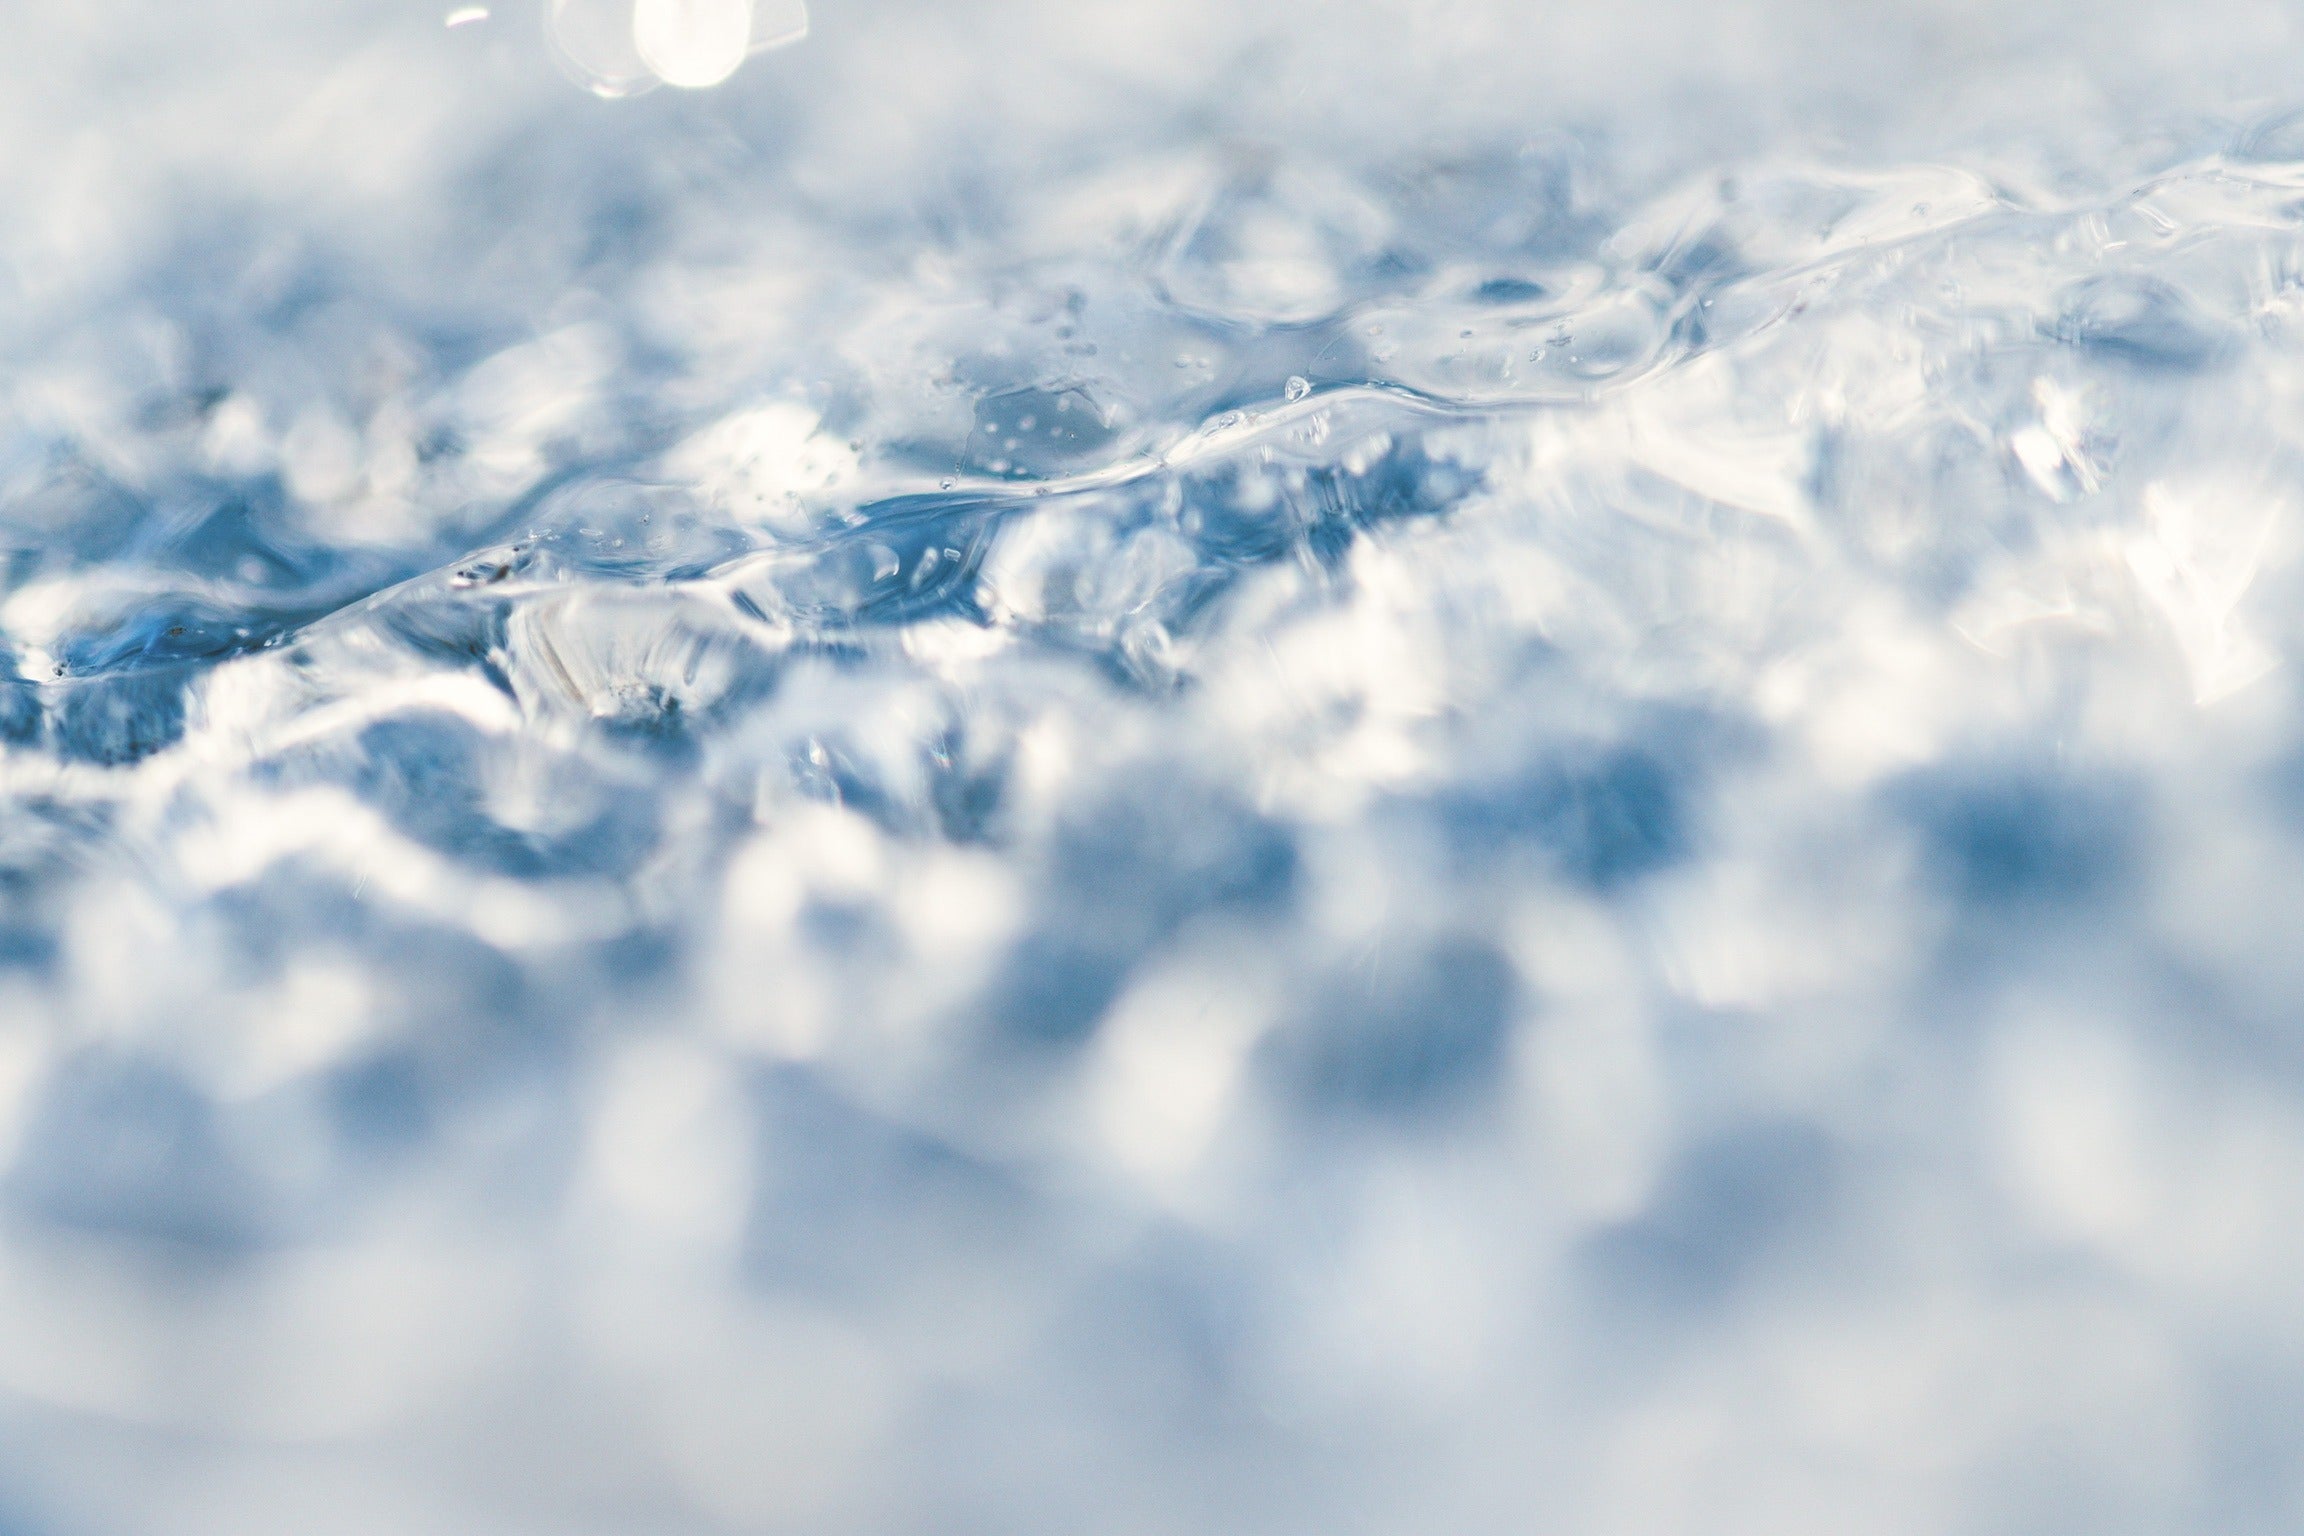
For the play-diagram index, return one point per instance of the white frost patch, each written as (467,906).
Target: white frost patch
(2203,553)
(765,464)
(1169,1061)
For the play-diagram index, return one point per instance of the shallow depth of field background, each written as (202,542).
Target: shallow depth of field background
(1153,767)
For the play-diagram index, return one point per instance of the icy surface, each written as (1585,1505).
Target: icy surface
(1139,767)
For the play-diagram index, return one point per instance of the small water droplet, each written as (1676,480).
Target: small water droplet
(693,44)
(1298,387)
(946,483)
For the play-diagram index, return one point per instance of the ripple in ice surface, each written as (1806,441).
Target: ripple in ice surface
(1060,767)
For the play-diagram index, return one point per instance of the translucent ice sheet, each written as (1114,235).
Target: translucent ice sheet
(1132,768)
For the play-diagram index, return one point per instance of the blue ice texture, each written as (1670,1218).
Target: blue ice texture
(1136,766)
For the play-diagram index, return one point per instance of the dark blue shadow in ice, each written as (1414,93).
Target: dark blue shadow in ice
(115,720)
(2140,322)
(429,775)
(124,1147)
(1603,817)
(2019,834)
(1122,881)
(1727,1207)
(1412,1036)
(848,1201)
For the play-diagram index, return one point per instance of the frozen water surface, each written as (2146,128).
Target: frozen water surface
(1142,767)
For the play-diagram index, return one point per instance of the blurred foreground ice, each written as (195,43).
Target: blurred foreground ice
(1101,768)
